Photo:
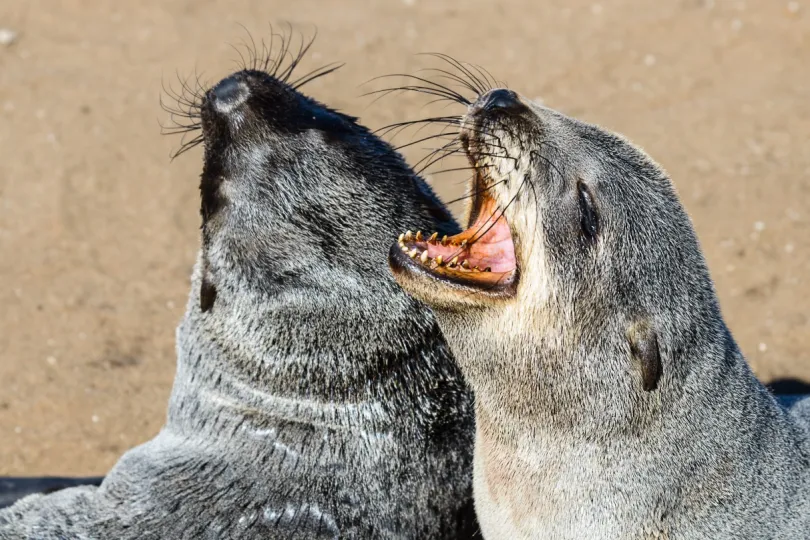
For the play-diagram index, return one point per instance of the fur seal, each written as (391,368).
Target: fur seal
(611,398)
(313,397)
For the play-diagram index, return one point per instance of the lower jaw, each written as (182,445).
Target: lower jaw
(478,261)
(451,288)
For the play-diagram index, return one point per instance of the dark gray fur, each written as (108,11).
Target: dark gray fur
(313,398)
(580,433)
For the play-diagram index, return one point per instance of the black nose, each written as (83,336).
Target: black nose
(501,99)
(228,94)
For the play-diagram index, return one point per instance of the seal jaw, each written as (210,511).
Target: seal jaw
(478,263)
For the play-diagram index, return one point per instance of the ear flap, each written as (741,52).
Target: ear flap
(208,294)
(646,356)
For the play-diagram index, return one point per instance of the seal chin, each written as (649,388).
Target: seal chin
(447,269)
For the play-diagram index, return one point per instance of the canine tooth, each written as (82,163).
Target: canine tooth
(464,243)
(413,253)
(433,237)
(465,265)
(424,257)
(439,260)
(401,238)
(444,240)
(454,261)
(418,236)
(408,236)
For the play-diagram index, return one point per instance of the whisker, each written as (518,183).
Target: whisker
(435,160)
(453,77)
(251,49)
(435,136)
(446,120)
(431,84)
(241,64)
(488,84)
(286,39)
(454,169)
(441,93)
(476,192)
(316,74)
(302,51)
(480,87)
(186,146)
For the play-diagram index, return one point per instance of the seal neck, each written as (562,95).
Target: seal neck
(327,386)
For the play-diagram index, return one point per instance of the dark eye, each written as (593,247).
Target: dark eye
(589,218)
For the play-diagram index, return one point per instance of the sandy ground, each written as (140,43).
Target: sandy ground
(98,229)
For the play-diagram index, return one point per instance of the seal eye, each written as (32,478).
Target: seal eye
(589,218)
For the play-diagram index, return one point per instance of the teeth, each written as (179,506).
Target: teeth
(408,236)
(404,249)
(413,253)
(439,260)
(476,269)
(464,243)
(401,238)
(488,269)
(451,264)
(444,240)
(454,261)
(424,257)
(433,237)
(418,236)
(465,265)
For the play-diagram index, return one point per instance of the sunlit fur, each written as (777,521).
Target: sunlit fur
(569,443)
(313,398)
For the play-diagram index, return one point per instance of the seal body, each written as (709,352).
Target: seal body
(313,398)
(611,399)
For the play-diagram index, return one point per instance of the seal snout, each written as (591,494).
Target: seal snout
(497,100)
(500,98)
(228,94)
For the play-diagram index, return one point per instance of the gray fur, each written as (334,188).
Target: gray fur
(313,398)
(573,438)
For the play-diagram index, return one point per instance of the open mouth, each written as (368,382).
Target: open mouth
(480,259)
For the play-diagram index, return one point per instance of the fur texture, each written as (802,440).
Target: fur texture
(313,398)
(611,399)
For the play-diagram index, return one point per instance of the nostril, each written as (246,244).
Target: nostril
(228,94)
(501,99)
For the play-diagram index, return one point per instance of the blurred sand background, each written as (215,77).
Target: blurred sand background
(98,229)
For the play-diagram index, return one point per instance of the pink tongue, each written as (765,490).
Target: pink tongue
(491,246)
(499,255)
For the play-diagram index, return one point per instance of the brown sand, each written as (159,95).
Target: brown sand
(98,230)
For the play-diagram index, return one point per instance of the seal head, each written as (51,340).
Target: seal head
(611,398)
(565,222)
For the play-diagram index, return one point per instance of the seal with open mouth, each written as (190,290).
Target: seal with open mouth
(611,398)
(313,397)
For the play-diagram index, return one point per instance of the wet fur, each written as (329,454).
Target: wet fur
(313,398)
(611,399)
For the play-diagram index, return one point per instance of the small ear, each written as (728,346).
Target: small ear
(208,293)
(646,356)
